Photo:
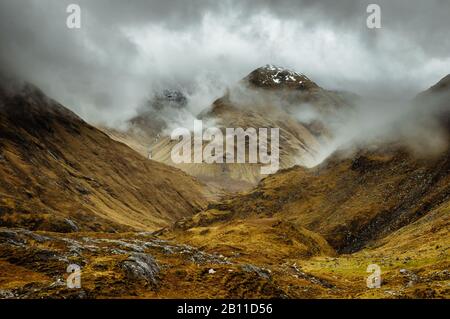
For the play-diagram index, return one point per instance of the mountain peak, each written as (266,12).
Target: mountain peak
(168,97)
(25,103)
(442,85)
(275,77)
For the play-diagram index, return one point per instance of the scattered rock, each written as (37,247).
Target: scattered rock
(440,275)
(261,272)
(58,283)
(410,277)
(142,267)
(11,237)
(6,294)
(124,245)
(130,246)
(72,225)
(36,237)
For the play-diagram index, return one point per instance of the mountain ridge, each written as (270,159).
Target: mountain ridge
(255,101)
(49,157)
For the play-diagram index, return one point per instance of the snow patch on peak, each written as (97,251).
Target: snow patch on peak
(279,75)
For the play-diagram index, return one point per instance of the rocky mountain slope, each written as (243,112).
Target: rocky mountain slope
(351,202)
(328,224)
(436,99)
(268,97)
(380,204)
(300,233)
(59,173)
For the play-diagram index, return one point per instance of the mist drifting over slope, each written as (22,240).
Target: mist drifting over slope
(374,122)
(125,52)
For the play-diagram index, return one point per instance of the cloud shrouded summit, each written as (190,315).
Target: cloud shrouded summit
(127,50)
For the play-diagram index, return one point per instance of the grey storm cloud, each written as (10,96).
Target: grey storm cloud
(127,49)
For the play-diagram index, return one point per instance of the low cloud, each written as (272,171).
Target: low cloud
(414,124)
(126,51)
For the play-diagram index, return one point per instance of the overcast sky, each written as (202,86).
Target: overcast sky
(127,49)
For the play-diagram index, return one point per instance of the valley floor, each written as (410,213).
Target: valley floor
(142,265)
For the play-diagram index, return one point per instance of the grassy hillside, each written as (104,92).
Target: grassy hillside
(59,173)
